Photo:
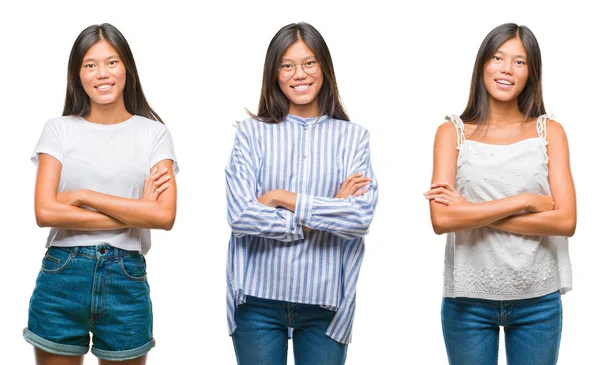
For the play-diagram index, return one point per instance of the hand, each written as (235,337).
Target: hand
(352,186)
(156,183)
(445,193)
(267,199)
(539,203)
(305,229)
(69,197)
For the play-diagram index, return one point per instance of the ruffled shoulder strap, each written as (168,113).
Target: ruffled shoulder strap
(542,132)
(460,135)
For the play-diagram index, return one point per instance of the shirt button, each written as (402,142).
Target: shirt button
(305,157)
(535,173)
(485,178)
(518,174)
(491,153)
(305,128)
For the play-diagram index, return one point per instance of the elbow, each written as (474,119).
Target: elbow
(569,227)
(440,225)
(167,221)
(43,217)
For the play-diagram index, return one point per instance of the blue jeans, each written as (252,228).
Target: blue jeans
(97,289)
(261,336)
(532,329)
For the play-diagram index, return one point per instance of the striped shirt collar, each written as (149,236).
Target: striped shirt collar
(306,121)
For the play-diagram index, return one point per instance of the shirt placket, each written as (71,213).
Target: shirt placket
(302,188)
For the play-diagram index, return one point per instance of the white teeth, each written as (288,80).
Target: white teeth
(300,87)
(103,87)
(505,82)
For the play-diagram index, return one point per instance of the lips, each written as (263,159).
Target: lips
(504,82)
(301,87)
(104,87)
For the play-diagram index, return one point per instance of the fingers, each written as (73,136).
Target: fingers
(162,188)
(360,192)
(443,184)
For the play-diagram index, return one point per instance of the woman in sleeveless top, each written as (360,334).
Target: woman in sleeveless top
(301,195)
(105,178)
(502,190)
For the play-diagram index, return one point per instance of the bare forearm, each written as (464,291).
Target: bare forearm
(459,217)
(279,198)
(69,217)
(140,213)
(550,223)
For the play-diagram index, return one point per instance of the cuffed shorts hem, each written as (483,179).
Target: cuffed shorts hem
(53,347)
(124,354)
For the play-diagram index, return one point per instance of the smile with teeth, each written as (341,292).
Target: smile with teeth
(301,87)
(103,86)
(504,82)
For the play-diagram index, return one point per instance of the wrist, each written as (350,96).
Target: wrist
(81,197)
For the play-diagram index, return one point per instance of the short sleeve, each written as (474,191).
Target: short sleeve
(51,142)
(162,149)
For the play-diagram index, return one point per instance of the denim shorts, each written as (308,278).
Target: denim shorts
(91,289)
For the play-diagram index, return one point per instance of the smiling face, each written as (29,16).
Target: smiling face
(505,74)
(301,88)
(103,75)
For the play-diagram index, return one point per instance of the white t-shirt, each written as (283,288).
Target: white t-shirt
(113,159)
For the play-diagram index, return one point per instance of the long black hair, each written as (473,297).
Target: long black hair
(530,100)
(77,102)
(274,105)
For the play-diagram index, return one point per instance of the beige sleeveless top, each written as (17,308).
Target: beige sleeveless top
(492,264)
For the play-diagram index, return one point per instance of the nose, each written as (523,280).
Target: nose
(299,72)
(102,71)
(507,67)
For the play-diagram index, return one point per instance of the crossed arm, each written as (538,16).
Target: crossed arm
(285,215)
(156,208)
(544,215)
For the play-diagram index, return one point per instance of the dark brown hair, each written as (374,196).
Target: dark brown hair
(530,100)
(274,105)
(77,102)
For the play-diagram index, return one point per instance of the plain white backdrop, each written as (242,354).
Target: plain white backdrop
(400,69)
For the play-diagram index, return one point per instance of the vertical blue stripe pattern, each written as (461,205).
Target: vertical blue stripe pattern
(270,255)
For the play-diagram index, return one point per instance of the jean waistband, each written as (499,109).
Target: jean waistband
(98,251)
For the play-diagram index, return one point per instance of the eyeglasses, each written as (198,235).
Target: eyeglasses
(287,68)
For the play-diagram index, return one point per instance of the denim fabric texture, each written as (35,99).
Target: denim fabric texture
(261,336)
(91,289)
(532,329)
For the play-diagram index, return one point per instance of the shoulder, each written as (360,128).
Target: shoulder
(553,127)
(142,122)
(349,127)
(446,131)
(555,132)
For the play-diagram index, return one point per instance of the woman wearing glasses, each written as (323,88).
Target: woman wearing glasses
(301,195)
(508,215)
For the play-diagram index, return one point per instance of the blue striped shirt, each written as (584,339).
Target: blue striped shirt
(270,256)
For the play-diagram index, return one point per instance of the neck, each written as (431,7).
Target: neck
(309,110)
(504,112)
(108,113)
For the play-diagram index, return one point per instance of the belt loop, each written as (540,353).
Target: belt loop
(74,252)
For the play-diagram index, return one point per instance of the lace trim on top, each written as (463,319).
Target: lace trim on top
(460,134)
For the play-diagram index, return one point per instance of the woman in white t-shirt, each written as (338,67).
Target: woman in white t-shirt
(105,177)
(504,193)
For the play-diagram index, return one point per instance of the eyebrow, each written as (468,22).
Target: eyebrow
(517,56)
(92,59)
(304,59)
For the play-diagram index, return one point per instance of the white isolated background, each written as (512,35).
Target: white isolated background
(400,69)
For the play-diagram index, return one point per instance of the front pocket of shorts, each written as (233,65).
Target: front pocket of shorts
(134,267)
(55,260)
